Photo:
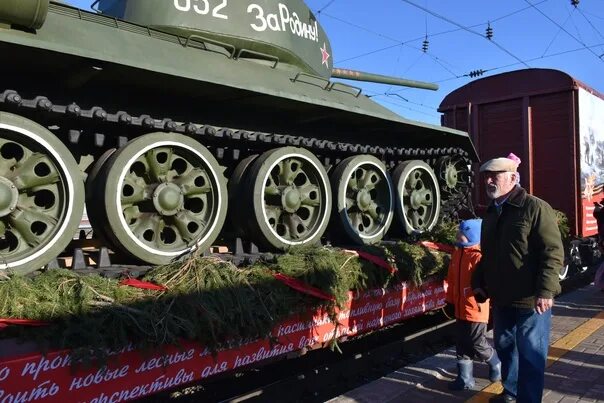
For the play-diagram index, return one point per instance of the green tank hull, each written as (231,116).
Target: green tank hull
(179,140)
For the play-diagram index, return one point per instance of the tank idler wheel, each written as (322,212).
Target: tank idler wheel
(288,192)
(41,195)
(418,196)
(364,199)
(160,197)
(452,174)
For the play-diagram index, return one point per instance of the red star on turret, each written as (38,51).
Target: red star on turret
(324,55)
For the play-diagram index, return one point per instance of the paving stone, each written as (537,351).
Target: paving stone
(552,398)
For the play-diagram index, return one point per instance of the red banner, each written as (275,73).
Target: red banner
(131,374)
(589,225)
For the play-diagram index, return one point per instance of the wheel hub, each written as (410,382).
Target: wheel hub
(451,176)
(416,200)
(291,199)
(168,199)
(363,200)
(9,196)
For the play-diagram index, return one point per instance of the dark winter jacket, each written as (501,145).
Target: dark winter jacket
(522,252)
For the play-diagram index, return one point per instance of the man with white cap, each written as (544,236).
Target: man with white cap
(522,255)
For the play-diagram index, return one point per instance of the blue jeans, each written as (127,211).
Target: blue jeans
(522,341)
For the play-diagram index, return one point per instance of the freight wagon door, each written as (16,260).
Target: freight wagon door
(552,143)
(499,132)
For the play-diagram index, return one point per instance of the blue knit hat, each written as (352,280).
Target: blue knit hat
(471,230)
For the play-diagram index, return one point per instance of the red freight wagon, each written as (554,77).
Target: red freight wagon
(555,124)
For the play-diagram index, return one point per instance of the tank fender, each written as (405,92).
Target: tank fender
(27,13)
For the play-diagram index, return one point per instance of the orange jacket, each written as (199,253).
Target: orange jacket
(459,292)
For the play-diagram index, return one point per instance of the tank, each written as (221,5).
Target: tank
(182,124)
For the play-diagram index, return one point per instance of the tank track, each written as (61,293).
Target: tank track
(225,143)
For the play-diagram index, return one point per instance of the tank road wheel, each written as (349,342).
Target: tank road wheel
(91,183)
(237,212)
(161,196)
(418,196)
(288,191)
(364,198)
(41,195)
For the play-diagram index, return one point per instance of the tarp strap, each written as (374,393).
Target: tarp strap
(132,282)
(438,246)
(373,259)
(303,287)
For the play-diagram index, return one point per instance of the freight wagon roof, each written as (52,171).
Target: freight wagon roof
(511,85)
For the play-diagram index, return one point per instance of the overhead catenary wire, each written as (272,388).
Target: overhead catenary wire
(385,48)
(572,21)
(568,33)
(465,29)
(454,71)
(564,52)
(558,32)
(406,42)
(439,61)
(435,34)
(329,3)
(594,15)
(392,101)
(390,94)
(590,24)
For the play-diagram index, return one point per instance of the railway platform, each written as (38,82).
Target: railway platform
(574,372)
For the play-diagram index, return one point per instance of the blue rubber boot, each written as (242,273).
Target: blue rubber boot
(494,367)
(465,376)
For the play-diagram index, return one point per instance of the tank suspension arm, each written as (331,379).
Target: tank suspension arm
(378,78)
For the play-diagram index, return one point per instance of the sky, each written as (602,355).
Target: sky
(386,37)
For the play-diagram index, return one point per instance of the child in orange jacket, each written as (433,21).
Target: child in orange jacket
(472,317)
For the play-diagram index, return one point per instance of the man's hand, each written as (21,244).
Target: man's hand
(543,304)
(480,295)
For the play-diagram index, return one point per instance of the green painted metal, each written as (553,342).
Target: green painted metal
(162,196)
(285,32)
(364,199)
(259,67)
(287,198)
(125,47)
(27,13)
(237,210)
(418,196)
(357,75)
(9,195)
(42,195)
(453,175)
